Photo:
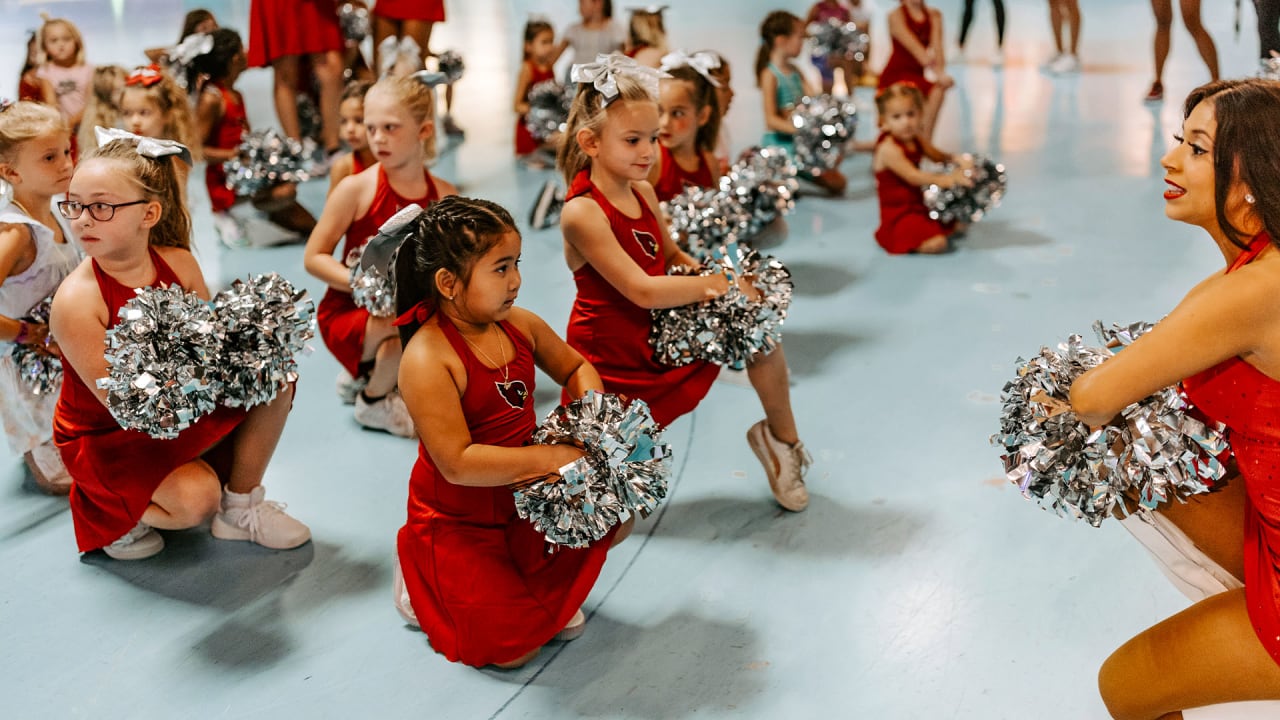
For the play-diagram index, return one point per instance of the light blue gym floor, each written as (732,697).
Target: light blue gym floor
(918,584)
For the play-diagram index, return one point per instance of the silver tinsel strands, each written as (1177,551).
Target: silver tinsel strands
(968,204)
(266,158)
(370,287)
(354,20)
(265,323)
(1155,449)
(450,63)
(160,357)
(549,103)
(702,219)
(40,371)
(763,182)
(824,125)
(834,39)
(624,471)
(731,329)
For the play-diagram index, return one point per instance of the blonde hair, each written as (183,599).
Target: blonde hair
(415,96)
(171,100)
(648,29)
(158,180)
(589,111)
(71,28)
(103,107)
(25,121)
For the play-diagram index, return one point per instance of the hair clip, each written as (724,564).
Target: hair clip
(431,78)
(154,148)
(603,75)
(703,62)
(145,76)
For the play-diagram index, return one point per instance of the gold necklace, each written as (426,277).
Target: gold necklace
(22,207)
(506,371)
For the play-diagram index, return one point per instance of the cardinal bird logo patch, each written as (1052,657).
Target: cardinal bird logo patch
(514,392)
(648,243)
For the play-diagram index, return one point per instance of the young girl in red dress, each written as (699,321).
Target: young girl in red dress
(916,30)
(539,56)
(1222,342)
(413,19)
(619,249)
(399,119)
(221,122)
(689,125)
(126,211)
(475,577)
(905,225)
(353,134)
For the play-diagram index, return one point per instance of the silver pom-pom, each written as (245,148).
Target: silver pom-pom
(1155,449)
(824,125)
(968,204)
(266,158)
(1269,68)
(763,182)
(265,322)
(624,471)
(310,123)
(39,370)
(450,63)
(161,358)
(834,39)
(703,219)
(731,329)
(354,20)
(549,103)
(370,287)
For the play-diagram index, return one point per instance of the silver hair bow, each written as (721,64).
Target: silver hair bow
(431,78)
(704,62)
(392,50)
(603,75)
(153,148)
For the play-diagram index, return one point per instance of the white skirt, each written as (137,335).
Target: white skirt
(28,418)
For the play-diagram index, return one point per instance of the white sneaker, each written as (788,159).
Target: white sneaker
(247,516)
(230,232)
(388,414)
(1064,65)
(784,464)
(348,387)
(45,463)
(546,210)
(139,543)
(401,595)
(1048,64)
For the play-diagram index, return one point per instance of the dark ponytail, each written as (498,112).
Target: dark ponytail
(216,63)
(776,24)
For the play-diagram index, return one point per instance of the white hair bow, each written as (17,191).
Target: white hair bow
(704,62)
(191,47)
(604,72)
(153,148)
(393,50)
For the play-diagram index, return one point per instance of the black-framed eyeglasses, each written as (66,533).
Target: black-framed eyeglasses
(100,211)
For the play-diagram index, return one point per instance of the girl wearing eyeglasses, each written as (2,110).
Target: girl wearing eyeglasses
(35,255)
(125,210)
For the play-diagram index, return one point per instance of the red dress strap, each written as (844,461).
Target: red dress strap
(1259,243)
(673,179)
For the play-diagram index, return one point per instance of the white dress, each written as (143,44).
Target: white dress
(28,418)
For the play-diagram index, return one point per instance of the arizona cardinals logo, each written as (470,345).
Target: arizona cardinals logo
(648,243)
(514,392)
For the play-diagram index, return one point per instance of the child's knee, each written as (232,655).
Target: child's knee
(198,497)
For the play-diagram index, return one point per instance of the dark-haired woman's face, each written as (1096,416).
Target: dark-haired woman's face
(1190,195)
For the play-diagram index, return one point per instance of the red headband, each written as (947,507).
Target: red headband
(145,76)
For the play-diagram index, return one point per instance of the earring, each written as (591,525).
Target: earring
(1248,197)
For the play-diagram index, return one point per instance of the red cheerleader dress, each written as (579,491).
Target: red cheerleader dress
(225,135)
(342,322)
(1237,394)
(904,220)
(482,584)
(116,471)
(282,28)
(902,65)
(525,142)
(421,10)
(612,332)
(674,178)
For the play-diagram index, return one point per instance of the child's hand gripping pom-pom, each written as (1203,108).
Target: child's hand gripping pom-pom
(835,39)
(40,370)
(372,287)
(763,182)
(549,103)
(264,159)
(731,329)
(1155,449)
(354,21)
(265,323)
(970,203)
(624,471)
(824,125)
(703,219)
(161,362)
